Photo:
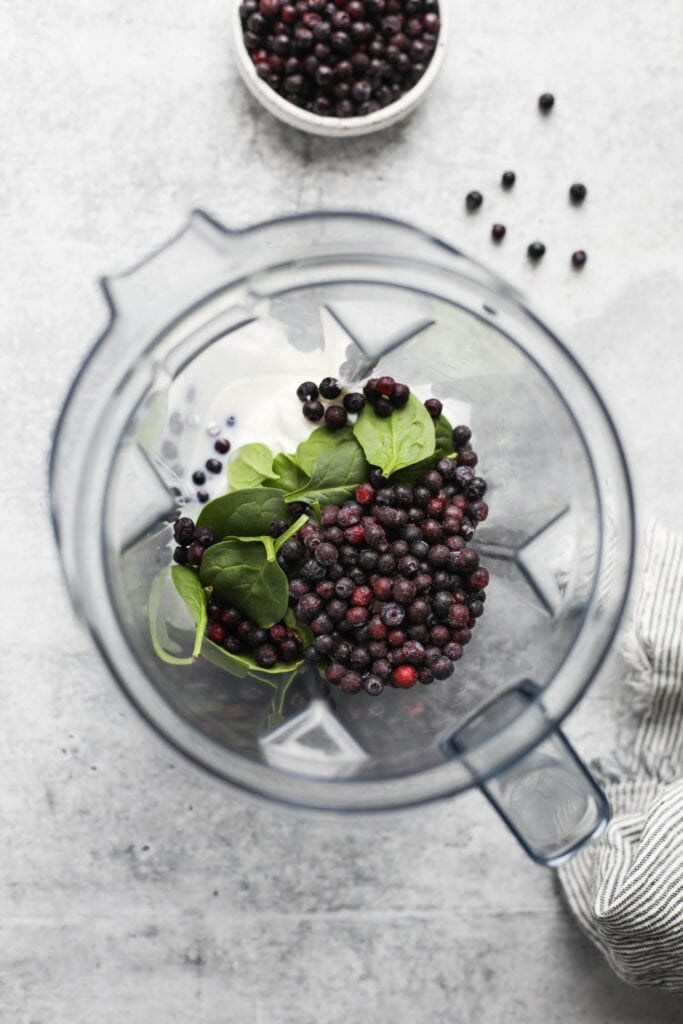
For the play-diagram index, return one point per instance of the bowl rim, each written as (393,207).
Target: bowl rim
(336,127)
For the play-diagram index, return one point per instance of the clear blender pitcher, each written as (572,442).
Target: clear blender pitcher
(200,335)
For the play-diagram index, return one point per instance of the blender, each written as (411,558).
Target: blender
(207,333)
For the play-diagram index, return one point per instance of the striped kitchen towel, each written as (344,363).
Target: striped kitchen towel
(626,890)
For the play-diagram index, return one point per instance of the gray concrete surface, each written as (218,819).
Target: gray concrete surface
(131,887)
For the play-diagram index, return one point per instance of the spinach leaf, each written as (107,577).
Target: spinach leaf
(444,446)
(444,437)
(252,464)
(193,594)
(406,437)
(244,573)
(157,625)
(316,444)
(289,476)
(276,714)
(247,513)
(242,665)
(336,474)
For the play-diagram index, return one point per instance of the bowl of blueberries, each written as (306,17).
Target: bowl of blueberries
(339,68)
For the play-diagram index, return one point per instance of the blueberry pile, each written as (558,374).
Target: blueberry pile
(340,58)
(386,583)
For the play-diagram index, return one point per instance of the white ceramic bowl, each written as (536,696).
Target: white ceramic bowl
(335,127)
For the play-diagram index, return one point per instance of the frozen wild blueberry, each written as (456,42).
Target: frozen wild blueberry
(405,676)
(335,417)
(313,411)
(434,407)
(373,685)
(277,528)
(307,392)
(508,179)
(579,258)
(461,435)
(183,531)
(204,536)
(354,402)
(265,656)
(400,396)
(536,251)
(473,201)
(329,388)
(386,386)
(383,407)
(577,193)
(194,553)
(546,102)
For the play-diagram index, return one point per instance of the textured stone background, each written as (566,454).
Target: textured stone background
(131,887)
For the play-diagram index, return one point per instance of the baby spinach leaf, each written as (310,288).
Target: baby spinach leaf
(403,439)
(444,446)
(336,474)
(193,594)
(246,513)
(289,476)
(316,444)
(242,665)
(252,464)
(276,714)
(244,573)
(157,625)
(444,437)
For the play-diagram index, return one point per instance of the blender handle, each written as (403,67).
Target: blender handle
(550,801)
(547,797)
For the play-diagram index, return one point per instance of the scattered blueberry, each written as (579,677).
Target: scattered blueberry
(579,258)
(577,193)
(546,102)
(508,179)
(473,201)
(214,465)
(536,251)
(498,232)
(222,446)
